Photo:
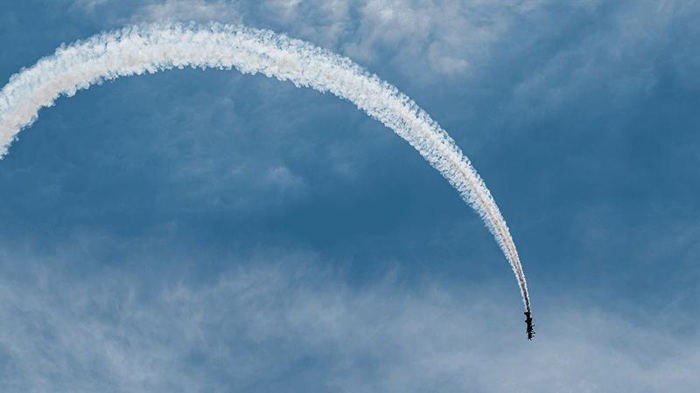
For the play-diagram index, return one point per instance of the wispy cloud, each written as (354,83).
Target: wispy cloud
(188,10)
(447,36)
(283,322)
(547,53)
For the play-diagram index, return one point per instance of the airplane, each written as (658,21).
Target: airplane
(530,326)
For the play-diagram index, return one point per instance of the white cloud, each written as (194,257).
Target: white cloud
(444,35)
(285,325)
(617,58)
(284,9)
(282,178)
(429,39)
(89,5)
(188,10)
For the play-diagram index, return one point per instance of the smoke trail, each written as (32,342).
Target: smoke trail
(153,48)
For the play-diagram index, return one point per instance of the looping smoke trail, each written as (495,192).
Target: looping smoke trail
(153,48)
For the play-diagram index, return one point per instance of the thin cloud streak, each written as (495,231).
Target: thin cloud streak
(154,48)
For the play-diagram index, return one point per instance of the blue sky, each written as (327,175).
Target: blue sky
(209,231)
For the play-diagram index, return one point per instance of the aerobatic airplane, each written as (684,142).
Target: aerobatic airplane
(530,326)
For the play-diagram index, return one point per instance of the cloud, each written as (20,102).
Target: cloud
(188,10)
(277,324)
(281,321)
(599,52)
(541,55)
(444,35)
(282,178)
(89,5)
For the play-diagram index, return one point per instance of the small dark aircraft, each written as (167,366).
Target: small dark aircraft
(530,326)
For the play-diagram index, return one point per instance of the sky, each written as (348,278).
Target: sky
(208,231)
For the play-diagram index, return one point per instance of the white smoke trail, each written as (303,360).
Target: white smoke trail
(153,48)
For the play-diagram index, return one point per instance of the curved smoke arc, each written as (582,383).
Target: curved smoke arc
(152,48)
